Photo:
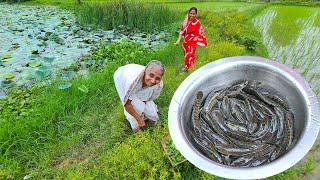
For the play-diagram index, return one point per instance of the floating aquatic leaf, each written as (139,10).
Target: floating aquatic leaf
(65,85)
(34,63)
(102,62)
(6,83)
(34,51)
(83,88)
(46,82)
(48,59)
(33,56)
(43,72)
(44,68)
(90,62)
(68,74)
(84,73)
(9,76)
(6,56)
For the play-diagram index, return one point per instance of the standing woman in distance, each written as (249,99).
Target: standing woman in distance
(193,34)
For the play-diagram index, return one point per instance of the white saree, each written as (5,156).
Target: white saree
(128,82)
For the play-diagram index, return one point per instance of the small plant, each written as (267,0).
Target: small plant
(119,53)
(249,42)
(224,49)
(172,153)
(16,105)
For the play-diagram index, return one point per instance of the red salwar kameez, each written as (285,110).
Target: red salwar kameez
(193,36)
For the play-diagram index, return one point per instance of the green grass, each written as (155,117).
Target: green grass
(180,5)
(13,1)
(317,22)
(213,6)
(295,172)
(70,134)
(286,27)
(289,33)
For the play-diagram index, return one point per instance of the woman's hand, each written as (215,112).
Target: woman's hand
(141,123)
(204,30)
(178,41)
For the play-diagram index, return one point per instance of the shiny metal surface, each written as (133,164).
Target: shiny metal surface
(227,71)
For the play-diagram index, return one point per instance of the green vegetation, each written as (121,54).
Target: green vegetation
(146,17)
(213,6)
(13,1)
(173,154)
(286,26)
(289,34)
(81,133)
(295,172)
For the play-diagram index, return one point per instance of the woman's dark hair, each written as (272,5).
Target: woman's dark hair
(193,8)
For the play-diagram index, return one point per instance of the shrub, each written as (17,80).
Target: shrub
(248,41)
(138,157)
(120,53)
(223,49)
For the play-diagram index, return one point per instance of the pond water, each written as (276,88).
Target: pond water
(40,41)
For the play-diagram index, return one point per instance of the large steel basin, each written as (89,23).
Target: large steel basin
(225,72)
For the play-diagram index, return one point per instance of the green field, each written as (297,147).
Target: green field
(48,133)
(290,34)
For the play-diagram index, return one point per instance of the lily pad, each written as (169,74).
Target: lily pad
(45,82)
(43,72)
(34,51)
(34,63)
(6,56)
(48,59)
(68,74)
(83,88)
(33,56)
(9,76)
(65,85)
(90,62)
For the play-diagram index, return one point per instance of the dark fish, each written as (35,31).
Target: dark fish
(289,128)
(196,113)
(246,124)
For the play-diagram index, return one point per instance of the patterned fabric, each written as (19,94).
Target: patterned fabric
(193,36)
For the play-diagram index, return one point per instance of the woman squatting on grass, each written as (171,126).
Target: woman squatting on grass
(193,33)
(138,86)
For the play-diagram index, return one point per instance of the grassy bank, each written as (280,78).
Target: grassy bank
(74,134)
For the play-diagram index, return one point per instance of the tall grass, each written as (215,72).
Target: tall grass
(145,17)
(13,1)
(287,33)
